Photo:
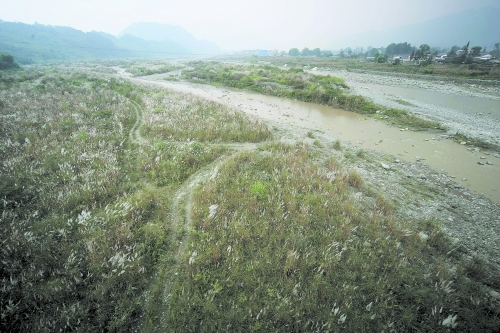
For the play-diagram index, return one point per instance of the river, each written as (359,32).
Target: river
(453,159)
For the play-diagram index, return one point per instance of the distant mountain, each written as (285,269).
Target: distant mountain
(151,48)
(31,43)
(480,26)
(151,31)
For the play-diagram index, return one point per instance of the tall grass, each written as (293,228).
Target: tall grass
(284,243)
(175,116)
(85,212)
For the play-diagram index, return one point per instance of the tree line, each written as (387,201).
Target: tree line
(424,54)
(306,52)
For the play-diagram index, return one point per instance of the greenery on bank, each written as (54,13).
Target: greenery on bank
(100,231)
(294,83)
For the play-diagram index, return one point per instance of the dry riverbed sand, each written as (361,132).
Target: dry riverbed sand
(471,220)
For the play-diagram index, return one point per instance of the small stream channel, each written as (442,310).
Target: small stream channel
(453,159)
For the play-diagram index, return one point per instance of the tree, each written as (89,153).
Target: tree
(496,51)
(294,52)
(316,52)
(305,52)
(475,51)
(7,62)
(422,52)
(398,49)
(462,54)
(380,58)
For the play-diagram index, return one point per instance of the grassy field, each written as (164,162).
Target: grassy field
(297,84)
(128,208)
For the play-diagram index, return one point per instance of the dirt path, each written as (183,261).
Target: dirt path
(135,131)
(182,199)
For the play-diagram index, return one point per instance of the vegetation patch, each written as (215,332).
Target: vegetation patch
(86,217)
(297,84)
(180,117)
(282,242)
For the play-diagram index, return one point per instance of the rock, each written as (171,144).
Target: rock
(464,179)
(422,176)
(463,143)
(494,294)
(423,236)
(489,163)
(397,161)
(385,166)
(480,163)
(482,157)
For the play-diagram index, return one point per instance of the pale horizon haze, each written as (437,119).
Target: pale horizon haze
(240,24)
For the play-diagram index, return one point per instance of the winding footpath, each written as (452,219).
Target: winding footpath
(182,199)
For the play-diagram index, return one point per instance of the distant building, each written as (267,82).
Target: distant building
(263,53)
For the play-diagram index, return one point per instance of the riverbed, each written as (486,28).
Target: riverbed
(458,162)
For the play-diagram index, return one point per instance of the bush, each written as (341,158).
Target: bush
(7,62)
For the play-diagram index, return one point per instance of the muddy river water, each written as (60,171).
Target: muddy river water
(453,159)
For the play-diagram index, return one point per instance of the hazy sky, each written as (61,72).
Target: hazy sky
(240,24)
